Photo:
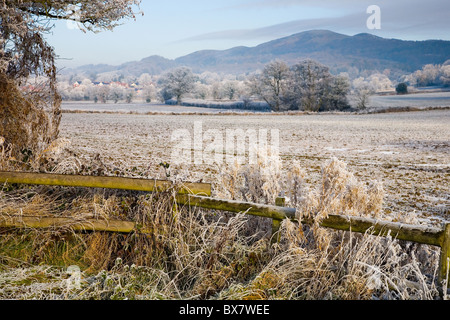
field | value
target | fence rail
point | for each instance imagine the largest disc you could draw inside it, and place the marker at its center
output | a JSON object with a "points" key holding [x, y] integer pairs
{"points": [[120, 183], [198, 195], [76, 224]]}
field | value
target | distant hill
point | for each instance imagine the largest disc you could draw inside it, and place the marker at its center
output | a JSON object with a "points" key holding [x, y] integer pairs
{"points": [[152, 65], [342, 53]]}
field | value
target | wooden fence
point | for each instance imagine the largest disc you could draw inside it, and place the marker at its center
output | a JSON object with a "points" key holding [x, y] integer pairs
{"points": [[199, 195], [120, 183]]}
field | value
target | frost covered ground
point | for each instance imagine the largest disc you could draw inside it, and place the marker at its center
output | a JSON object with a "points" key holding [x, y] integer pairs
{"points": [[138, 107], [409, 152], [418, 100]]}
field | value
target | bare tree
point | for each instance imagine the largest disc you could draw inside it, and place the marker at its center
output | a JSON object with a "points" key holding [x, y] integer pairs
{"points": [[30, 111], [148, 92], [116, 92], [307, 85], [201, 90], [337, 94], [177, 82], [103, 93], [311, 83], [230, 89], [270, 85], [216, 90], [362, 92]]}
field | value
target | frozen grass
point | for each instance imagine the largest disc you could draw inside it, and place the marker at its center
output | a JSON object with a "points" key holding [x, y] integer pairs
{"points": [[417, 100], [132, 107], [198, 254]]}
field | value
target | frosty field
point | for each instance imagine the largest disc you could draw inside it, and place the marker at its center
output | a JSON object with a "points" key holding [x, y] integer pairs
{"points": [[135, 107], [418, 100], [408, 152]]}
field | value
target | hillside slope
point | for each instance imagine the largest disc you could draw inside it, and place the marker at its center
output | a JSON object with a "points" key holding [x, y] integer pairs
{"points": [[342, 53]]}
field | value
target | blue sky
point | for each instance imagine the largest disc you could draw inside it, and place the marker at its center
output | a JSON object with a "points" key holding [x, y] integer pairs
{"points": [[173, 28]]}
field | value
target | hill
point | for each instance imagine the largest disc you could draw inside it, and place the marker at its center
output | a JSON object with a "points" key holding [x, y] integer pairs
{"points": [[342, 53]]}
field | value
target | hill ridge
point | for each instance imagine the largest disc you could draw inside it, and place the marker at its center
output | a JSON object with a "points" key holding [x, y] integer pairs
{"points": [[363, 52]]}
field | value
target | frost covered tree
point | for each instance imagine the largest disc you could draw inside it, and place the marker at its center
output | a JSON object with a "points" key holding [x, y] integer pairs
{"points": [[103, 93], [148, 92], [311, 87], [177, 82], [145, 79], [431, 75], [116, 92], [362, 92], [307, 85], [231, 89], [336, 98], [445, 74], [209, 78], [201, 90], [216, 90], [379, 82], [30, 110], [270, 85], [310, 82]]}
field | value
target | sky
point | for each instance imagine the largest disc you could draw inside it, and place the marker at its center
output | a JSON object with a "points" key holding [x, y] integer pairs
{"points": [[173, 28]]}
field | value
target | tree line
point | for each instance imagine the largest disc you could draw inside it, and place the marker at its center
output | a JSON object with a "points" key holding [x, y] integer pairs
{"points": [[307, 85], [430, 75]]}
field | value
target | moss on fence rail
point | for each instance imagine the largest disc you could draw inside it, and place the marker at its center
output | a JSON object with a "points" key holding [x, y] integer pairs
{"points": [[262, 210], [16, 221], [120, 183]]}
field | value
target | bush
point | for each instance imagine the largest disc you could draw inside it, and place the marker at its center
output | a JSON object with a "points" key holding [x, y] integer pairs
{"points": [[28, 122], [401, 88]]}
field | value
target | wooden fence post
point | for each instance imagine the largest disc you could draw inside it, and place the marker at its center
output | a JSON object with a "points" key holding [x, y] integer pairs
{"points": [[280, 202], [444, 260]]}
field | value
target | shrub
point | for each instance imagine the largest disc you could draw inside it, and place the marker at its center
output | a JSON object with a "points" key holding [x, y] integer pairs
{"points": [[401, 88]]}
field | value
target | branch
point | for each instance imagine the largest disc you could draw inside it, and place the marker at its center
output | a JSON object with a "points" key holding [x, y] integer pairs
{"points": [[58, 17]]}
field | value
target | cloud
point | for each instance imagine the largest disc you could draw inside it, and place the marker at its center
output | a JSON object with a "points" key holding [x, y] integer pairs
{"points": [[282, 29], [253, 4], [343, 4], [403, 18]]}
